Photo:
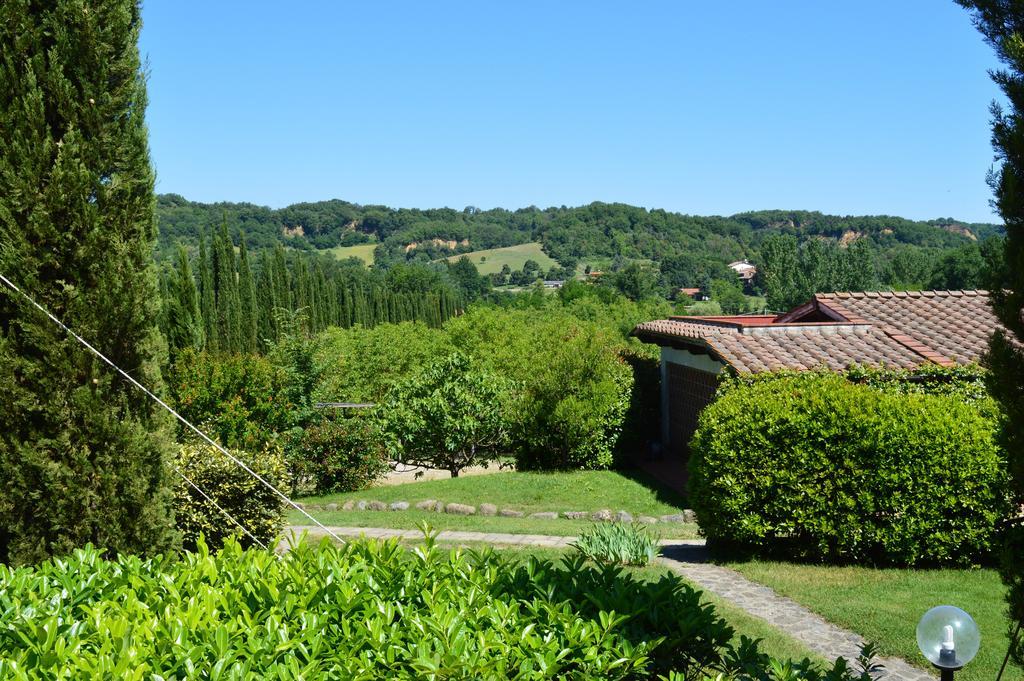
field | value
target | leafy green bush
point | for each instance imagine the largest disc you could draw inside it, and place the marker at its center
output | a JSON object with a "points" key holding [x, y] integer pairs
{"points": [[365, 610], [576, 387], [450, 416], [617, 543], [238, 400], [820, 468], [340, 455], [248, 501]]}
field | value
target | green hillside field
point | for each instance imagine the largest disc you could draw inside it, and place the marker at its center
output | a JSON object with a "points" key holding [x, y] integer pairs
{"points": [[490, 261], [362, 251]]}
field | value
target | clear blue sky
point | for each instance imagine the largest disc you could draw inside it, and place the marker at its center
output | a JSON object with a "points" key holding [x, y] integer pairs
{"points": [[864, 107]]}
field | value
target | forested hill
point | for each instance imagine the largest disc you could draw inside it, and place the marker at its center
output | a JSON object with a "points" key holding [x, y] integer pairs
{"points": [[569, 235]]}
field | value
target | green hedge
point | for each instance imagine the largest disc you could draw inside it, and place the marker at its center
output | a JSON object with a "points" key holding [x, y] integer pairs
{"points": [[817, 467], [235, 491], [365, 610]]}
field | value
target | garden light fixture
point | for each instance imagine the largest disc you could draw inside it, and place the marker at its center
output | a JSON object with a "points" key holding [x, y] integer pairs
{"points": [[949, 638]]}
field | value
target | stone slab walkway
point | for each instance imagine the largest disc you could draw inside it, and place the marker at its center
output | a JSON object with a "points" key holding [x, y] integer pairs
{"points": [[689, 559], [817, 633]]}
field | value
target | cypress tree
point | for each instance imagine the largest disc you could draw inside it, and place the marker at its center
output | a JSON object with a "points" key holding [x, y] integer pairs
{"points": [[1002, 24], [207, 300], [225, 284], [248, 319], [83, 458], [265, 299], [184, 323]]}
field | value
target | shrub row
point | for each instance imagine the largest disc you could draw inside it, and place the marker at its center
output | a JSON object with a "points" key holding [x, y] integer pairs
{"points": [[815, 466], [362, 611]]}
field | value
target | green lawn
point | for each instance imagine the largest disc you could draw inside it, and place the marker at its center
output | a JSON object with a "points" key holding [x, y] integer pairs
{"points": [[513, 256], [362, 251], [526, 492], [885, 605], [532, 492]]}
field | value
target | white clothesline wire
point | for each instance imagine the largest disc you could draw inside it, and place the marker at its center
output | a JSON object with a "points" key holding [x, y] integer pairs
{"points": [[176, 415]]}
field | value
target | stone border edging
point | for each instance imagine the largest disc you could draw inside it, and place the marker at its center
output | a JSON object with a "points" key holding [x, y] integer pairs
{"points": [[603, 515]]}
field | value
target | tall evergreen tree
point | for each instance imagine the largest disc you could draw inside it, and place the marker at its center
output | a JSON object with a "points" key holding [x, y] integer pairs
{"points": [[82, 457], [225, 283], [1002, 24], [248, 316], [207, 298], [184, 323]]}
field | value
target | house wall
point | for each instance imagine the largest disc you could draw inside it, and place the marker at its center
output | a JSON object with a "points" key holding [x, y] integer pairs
{"points": [[688, 383]]}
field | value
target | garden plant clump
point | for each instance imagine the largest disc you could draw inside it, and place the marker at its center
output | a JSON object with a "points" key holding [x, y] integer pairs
{"points": [[618, 544], [820, 468], [249, 502], [366, 610]]}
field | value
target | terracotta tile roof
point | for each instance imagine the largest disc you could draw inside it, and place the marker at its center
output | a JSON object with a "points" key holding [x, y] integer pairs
{"points": [[894, 329], [810, 348], [947, 327]]}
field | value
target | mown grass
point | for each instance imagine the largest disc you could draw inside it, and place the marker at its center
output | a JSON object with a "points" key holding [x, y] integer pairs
{"points": [[884, 605], [531, 492], [513, 256], [362, 251], [526, 492]]}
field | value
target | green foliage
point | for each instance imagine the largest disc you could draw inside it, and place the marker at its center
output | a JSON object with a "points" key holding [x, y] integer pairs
{"points": [[575, 385], [340, 455], [364, 610], [83, 457], [617, 544], [790, 273], [234, 490], [819, 468], [362, 364], [1002, 24], [451, 415], [239, 400], [728, 293]]}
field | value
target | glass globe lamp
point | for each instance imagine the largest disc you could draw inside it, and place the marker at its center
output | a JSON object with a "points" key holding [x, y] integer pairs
{"points": [[948, 638]]}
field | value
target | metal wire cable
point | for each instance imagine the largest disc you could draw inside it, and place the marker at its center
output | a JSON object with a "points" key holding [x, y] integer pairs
{"points": [[218, 507], [176, 415]]}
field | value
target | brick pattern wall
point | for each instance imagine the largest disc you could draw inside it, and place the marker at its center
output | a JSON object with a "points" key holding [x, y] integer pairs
{"points": [[689, 391]]}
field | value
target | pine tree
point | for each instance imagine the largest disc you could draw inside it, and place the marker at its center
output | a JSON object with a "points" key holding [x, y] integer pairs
{"points": [[225, 283], [83, 458], [1002, 24], [184, 323], [248, 318]]}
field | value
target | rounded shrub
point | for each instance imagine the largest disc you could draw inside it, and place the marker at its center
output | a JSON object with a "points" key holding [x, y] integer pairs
{"points": [[338, 456], [237, 492], [819, 468]]}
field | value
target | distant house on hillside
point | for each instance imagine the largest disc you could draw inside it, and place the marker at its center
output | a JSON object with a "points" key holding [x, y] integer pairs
{"points": [[694, 293], [834, 330], [744, 269], [554, 283]]}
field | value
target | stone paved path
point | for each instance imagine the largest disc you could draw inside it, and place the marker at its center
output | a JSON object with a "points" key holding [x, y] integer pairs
{"points": [[689, 559], [818, 634]]}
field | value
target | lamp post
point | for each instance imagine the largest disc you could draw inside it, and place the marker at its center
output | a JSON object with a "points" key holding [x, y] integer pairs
{"points": [[948, 638]]}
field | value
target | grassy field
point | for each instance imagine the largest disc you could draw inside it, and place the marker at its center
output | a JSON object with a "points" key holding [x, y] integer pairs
{"points": [[885, 605], [526, 492], [362, 251], [514, 256]]}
